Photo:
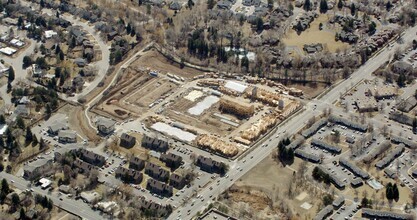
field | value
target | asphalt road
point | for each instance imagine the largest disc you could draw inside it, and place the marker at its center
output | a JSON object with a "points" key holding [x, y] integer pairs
{"points": [[76, 207], [239, 168], [17, 64]]}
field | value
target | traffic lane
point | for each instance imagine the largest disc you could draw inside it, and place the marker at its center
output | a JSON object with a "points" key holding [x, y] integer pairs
{"points": [[258, 155], [67, 204]]}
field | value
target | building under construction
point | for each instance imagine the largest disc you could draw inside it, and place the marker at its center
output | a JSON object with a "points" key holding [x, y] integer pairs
{"points": [[239, 109], [215, 144]]}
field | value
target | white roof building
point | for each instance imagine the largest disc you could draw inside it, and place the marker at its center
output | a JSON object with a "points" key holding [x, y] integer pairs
{"points": [[235, 86], [50, 33], [45, 183], [8, 51]]}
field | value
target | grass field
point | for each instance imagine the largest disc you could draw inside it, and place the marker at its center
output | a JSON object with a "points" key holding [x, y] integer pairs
{"points": [[314, 35]]}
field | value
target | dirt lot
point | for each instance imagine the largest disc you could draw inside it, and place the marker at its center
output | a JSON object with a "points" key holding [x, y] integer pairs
{"points": [[274, 180], [310, 91], [206, 121], [155, 60], [134, 92], [314, 35], [78, 123]]}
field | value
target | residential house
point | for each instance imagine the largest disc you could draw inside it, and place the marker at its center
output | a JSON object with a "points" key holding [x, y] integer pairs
{"points": [[129, 175], [210, 165], [37, 169], [160, 188], [90, 197], [105, 125], [175, 6], [57, 126], [136, 163], [155, 143], [177, 181], [22, 110], [127, 141], [171, 160], [67, 136], [78, 83], [24, 100], [156, 172], [82, 166], [36, 71], [153, 207], [91, 157], [81, 62]]}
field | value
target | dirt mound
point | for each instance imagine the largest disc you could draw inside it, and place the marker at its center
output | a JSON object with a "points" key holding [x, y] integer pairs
{"points": [[120, 112], [257, 199]]}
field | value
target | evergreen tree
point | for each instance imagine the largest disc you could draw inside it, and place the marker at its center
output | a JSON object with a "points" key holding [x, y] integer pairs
{"points": [[372, 28], [61, 55], [190, 4], [271, 4], [20, 22], [244, 63], [401, 80], [128, 28], [9, 138], [29, 135], [388, 6], [415, 125], [57, 49], [1, 142], [389, 192], [41, 144], [340, 4], [395, 192], [19, 122], [323, 6], [210, 4], [35, 141], [11, 74], [5, 186], [57, 72], [27, 61], [9, 87], [48, 109], [352, 9], [2, 120], [259, 25], [22, 215], [307, 5]]}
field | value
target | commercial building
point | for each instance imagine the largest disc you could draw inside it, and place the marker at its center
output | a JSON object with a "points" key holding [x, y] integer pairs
{"points": [[129, 175], [384, 162], [105, 126], [155, 143], [326, 146], [156, 172], [127, 141], [171, 160], [324, 213], [136, 163], [67, 136], [36, 169], [381, 215], [159, 188], [353, 168]]}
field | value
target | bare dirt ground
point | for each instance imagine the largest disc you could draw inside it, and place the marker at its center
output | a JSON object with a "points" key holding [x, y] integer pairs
{"points": [[310, 91], [134, 93], [314, 35], [155, 60], [78, 123], [283, 190], [206, 121]]}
